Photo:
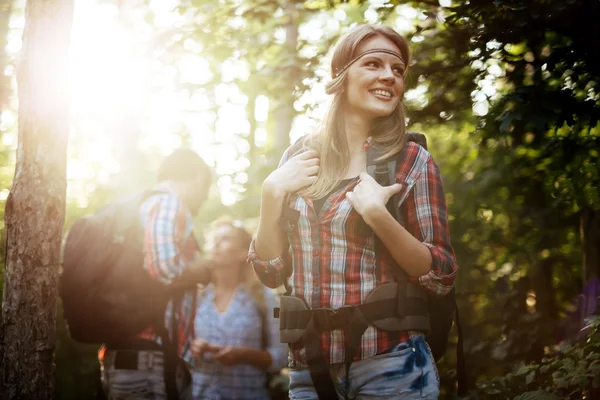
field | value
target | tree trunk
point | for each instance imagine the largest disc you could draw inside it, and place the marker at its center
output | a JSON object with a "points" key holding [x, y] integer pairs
{"points": [[285, 109], [35, 208], [5, 11]]}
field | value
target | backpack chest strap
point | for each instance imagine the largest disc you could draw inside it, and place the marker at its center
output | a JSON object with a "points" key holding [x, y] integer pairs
{"points": [[327, 319], [390, 307], [299, 322]]}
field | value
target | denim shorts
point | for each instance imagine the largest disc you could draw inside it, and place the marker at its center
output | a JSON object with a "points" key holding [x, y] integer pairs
{"points": [[408, 371]]}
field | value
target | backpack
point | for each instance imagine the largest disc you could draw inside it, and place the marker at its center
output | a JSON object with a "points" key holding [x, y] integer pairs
{"points": [[107, 295]]}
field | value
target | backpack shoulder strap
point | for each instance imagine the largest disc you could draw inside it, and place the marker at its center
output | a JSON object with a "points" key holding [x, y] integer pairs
{"points": [[417, 138], [384, 171]]}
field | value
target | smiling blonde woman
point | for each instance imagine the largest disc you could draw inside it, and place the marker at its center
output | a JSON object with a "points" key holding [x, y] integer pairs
{"points": [[347, 338]]}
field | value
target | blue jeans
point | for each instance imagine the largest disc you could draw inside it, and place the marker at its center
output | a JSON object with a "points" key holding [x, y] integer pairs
{"points": [[408, 371]]}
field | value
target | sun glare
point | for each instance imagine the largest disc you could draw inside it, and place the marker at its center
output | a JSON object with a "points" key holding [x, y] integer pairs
{"points": [[117, 89], [124, 99]]}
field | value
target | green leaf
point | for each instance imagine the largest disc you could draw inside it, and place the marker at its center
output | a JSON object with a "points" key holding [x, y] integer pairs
{"points": [[530, 378]]}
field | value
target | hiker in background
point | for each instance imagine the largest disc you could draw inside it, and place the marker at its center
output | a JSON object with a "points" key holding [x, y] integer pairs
{"points": [[360, 272], [139, 369], [237, 338]]}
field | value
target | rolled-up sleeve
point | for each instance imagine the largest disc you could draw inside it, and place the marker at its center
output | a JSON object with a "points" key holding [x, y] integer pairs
{"points": [[277, 350], [272, 273], [426, 218]]}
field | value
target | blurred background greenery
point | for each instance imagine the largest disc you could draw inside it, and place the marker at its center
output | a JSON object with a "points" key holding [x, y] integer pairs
{"points": [[506, 91]]}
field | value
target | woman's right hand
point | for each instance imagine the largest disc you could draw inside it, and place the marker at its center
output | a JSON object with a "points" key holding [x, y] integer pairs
{"points": [[200, 347], [298, 172]]}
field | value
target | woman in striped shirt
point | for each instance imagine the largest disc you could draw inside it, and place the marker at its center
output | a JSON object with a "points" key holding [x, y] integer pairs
{"points": [[335, 264]]}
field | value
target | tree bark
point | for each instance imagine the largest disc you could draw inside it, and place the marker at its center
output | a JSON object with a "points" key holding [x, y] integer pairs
{"points": [[285, 110], [35, 208]]}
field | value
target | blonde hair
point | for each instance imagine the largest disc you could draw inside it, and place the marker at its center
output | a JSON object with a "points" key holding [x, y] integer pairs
{"points": [[248, 278], [330, 141]]}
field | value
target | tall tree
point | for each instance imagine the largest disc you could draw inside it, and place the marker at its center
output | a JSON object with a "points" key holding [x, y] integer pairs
{"points": [[35, 208]]}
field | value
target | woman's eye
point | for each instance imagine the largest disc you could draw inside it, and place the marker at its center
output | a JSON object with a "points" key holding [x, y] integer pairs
{"points": [[371, 64], [399, 71]]}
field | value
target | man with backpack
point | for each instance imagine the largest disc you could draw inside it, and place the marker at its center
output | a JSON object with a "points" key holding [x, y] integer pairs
{"points": [[129, 280]]}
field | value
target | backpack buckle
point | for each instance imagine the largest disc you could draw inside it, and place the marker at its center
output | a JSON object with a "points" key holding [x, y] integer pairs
{"points": [[329, 319], [382, 172]]}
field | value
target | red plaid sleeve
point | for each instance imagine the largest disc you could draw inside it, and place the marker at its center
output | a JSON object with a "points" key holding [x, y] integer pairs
{"points": [[272, 273], [426, 219]]}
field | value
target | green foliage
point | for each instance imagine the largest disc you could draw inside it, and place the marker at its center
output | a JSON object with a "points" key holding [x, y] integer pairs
{"points": [[571, 371], [518, 174]]}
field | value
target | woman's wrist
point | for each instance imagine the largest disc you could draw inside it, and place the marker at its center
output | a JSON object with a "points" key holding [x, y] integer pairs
{"points": [[271, 191], [255, 357], [374, 215]]}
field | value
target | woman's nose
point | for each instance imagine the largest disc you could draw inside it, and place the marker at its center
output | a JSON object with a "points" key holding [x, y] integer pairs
{"points": [[387, 74]]}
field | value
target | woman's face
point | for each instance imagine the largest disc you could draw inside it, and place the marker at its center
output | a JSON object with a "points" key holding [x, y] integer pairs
{"points": [[225, 246], [375, 82]]}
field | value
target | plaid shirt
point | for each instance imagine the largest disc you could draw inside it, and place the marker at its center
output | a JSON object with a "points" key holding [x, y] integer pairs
{"points": [[168, 246], [334, 265], [240, 325]]}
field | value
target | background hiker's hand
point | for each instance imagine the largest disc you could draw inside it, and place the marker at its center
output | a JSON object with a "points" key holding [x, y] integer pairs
{"points": [[200, 347], [298, 172], [229, 355], [369, 196]]}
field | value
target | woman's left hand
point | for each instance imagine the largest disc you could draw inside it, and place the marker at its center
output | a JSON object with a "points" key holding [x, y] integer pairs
{"points": [[368, 196], [229, 355]]}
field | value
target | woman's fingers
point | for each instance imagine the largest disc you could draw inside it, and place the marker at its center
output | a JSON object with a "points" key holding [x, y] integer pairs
{"points": [[306, 155], [314, 170], [350, 197], [310, 162]]}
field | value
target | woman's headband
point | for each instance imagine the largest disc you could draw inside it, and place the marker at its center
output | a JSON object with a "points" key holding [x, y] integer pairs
{"points": [[364, 53]]}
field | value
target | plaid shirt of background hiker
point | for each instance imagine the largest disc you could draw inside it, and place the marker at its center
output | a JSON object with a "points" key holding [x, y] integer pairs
{"points": [[334, 265], [168, 247]]}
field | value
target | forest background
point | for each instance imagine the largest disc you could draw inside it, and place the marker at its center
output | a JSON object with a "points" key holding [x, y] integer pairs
{"points": [[507, 92]]}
